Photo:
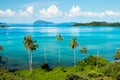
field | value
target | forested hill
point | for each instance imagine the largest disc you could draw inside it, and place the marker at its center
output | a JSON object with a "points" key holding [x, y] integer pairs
{"points": [[97, 24]]}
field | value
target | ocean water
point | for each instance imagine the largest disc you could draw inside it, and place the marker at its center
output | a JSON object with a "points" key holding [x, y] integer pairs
{"points": [[103, 39]]}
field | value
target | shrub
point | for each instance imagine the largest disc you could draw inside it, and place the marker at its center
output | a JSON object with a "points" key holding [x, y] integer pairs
{"points": [[45, 67], [113, 70], [117, 55], [96, 60], [63, 69], [75, 77], [94, 74], [118, 76], [6, 75]]}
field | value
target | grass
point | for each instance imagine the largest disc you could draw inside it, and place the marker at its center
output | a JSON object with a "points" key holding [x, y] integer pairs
{"points": [[86, 70]]}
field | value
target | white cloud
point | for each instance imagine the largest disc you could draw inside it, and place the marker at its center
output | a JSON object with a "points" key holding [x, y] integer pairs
{"points": [[30, 9], [7, 12], [76, 12], [52, 11]]}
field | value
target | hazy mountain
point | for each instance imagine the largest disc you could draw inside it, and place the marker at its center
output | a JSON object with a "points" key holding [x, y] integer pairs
{"points": [[41, 22], [46, 23]]}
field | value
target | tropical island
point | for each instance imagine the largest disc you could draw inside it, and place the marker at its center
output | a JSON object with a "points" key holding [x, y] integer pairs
{"points": [[3, 25], [95, 23]]}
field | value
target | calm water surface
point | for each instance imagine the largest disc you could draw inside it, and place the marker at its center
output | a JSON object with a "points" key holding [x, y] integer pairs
{"points": [[104, 39]]}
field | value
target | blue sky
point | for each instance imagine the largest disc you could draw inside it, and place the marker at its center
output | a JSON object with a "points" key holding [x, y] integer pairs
{"points": [[28, 11]]}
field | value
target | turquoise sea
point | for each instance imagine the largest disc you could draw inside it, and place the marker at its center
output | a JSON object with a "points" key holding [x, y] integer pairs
{"points": [[104, 40]]}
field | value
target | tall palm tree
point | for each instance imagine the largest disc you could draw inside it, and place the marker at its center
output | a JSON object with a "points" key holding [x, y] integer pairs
{"points": [[117, 55], [1, 50], [97, 57], [74, 44], [31, 46], [59, 39], [83, 50]]}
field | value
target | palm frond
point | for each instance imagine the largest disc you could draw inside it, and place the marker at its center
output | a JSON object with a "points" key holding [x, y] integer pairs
{"points": [[73, 43]]}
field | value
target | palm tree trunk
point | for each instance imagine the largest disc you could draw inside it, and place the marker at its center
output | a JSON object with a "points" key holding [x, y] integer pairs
{"points": [[59, 54], [74, 58], [30, 61], [0, 56], [97, 60], [45, 54], [83, 56]]}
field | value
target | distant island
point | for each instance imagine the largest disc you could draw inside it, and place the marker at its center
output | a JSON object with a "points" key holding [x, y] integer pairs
{"points": [[2, 25], [97, 24], [47, 23], [41, 22]]}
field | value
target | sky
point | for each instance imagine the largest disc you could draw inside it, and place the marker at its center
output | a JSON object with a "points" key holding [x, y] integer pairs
{"points": [[58, 11]]}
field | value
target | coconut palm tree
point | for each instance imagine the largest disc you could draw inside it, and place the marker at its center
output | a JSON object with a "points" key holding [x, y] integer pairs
{"points": [[59, 39], [1, 50], [31, 46], [117, 55], [83, 50], [97, 57], [74, 44]]}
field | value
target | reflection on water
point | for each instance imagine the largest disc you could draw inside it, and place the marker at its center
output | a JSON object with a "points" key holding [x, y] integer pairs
{"points": [[104, 39]]}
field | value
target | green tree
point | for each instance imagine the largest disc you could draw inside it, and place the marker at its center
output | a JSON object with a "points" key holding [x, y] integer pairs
{"points": [[74, 44], [31, 46], [1, 50], [59, 39], [83, 50], [117, 55]]}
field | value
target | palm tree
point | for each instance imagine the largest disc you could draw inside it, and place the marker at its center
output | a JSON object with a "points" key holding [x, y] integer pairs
{"points": [[74, 44], [83, 50], [97, 57], [117, 55], [59, 39], [1, 50], [31, 46]]}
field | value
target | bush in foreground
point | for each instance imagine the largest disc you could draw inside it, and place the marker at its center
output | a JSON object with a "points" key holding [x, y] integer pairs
{"points": [[113, 70], [75, 77], [45, 67]]}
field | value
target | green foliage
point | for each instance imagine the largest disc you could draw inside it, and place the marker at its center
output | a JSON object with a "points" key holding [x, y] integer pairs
{"points": [[73, 43], [83, 50], [29, 43], [45, 67], [96, 24], [118, 76], [112, 70], [95, 60], [5, 75], [59, 37], [75, 77], [83, 71], [117, 55], [94, 74]]}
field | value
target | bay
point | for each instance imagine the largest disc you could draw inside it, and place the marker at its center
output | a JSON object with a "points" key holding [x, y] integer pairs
{"points": [[98, 38]]}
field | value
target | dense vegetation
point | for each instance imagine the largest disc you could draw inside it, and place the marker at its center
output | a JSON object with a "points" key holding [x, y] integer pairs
{"points": [[96, 24], [92, 68]]}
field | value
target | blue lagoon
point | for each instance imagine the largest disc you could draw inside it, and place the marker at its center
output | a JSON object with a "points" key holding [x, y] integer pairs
{"points": [[102, 39]]}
